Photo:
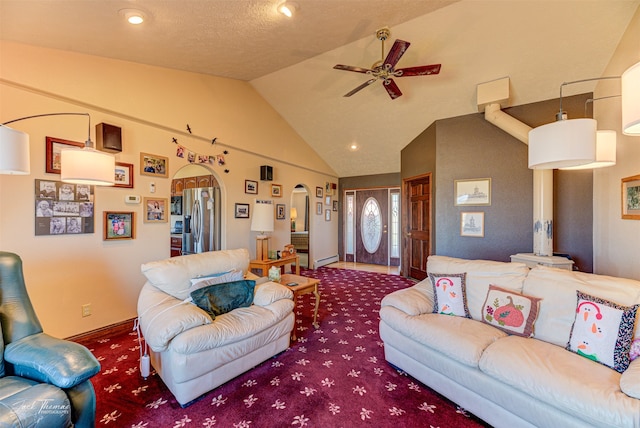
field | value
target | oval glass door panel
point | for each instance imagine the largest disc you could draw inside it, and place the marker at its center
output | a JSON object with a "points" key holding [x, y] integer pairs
{"points": [[371, 225]]}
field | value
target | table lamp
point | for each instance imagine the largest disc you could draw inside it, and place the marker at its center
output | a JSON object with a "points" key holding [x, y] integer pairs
{"points": [[294, 216], [262, 222]]}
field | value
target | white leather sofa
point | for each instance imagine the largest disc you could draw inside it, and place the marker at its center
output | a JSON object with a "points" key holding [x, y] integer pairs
{"points": [[194, 354], [509, 380]]}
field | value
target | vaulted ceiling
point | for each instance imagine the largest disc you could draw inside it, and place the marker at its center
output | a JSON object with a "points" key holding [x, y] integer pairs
{"points": [[537, 44]]}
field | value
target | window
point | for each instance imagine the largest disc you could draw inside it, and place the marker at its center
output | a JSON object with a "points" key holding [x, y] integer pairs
{"points": [[395, 225], [371, 225]]}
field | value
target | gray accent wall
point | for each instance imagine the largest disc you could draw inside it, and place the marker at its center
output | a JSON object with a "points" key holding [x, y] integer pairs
{"points": [[469, 147]]}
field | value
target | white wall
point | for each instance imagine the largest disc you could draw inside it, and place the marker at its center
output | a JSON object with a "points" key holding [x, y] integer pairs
{"points": [[616, 241], [151, 105]]}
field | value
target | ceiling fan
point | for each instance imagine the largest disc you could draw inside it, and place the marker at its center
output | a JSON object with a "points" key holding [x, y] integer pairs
{"points": [[385, 68]]}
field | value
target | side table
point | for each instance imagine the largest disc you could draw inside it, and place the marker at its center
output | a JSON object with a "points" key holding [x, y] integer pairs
{"points": [[303, 285], [264, 265]]}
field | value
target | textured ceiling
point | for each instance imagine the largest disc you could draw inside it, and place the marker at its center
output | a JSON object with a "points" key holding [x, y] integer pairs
{"points": [[538, 44]]}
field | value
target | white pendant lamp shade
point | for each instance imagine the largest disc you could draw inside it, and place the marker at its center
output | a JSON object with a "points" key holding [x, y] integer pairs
{"points": [[562, 144], [87, 166], [630, 86], [605, 151], [14, 151]]}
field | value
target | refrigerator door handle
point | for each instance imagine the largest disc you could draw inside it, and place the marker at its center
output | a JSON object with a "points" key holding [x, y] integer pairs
{"points": [[197, 222]]}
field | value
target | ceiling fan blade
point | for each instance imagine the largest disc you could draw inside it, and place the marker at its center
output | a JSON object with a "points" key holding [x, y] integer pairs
{"points": [[422, 70], [397, 50], [392, 88], [364, 85], [351, 68]]}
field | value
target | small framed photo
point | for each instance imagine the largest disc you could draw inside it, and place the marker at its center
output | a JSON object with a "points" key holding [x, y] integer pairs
{"points": [[280, 212], [319, 208], [154, 165], [335, 205], [251, 187], [319, 192], [54, 149], [327, 200], [276, 190], [119, 225], [124, 175], [473, 192], [242, 211], [327, 215], [631, 197], [472, 224], [156, 210]]}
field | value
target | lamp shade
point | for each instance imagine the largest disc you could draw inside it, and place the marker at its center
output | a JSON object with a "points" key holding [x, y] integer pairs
{"points": [[262, 218], [294, 213], [562, 144], [14, 151], [630, 87], [87, 166], [605, 151]]}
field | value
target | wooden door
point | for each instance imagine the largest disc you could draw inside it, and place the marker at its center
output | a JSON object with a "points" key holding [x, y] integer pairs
{"points": [[417, 224], [371, 220]]}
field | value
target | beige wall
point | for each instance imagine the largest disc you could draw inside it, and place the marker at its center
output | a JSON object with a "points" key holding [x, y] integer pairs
{"points": [[151, 105], [616, 242]]}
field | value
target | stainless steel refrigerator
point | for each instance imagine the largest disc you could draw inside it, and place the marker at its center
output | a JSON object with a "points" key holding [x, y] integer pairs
{"points": [[201, 228]]}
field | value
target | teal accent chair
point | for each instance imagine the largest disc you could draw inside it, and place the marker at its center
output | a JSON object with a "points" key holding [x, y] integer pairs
{"points": [[44, 381]]}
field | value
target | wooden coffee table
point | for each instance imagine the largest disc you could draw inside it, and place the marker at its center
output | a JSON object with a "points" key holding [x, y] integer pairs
{"points": [[303, 285]]}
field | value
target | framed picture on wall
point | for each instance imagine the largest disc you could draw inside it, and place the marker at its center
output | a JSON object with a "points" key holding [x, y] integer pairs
{"points": [[319, 208], [276, 190], [124, 175], [280, 212], [154, 165], [156, 210], [472, 224], [318, 192], [473, 192], [251, 187], [327, 215], [631, 197], [119, 225], [54, 148], [241, 210]]}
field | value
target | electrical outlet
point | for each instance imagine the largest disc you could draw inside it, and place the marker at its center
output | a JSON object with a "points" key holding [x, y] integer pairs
{"points": [[86, 310]]}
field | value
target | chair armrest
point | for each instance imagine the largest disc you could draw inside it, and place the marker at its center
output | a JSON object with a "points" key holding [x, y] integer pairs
{"points": [[414, 300], [630, 379], [55, 361], [268, 292]]}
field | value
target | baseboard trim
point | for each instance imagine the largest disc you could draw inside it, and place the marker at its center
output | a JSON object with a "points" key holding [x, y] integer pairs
{"points": [[109, 330]]}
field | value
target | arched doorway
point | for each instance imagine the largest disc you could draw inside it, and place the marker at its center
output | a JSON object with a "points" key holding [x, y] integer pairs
{"points": [[299, 215], [196, 211]]}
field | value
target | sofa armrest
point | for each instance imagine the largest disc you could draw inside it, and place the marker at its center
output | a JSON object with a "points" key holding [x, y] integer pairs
{"points": [[270, 292], [630, 379], [162, 317], [50, 360], [413, 300]]}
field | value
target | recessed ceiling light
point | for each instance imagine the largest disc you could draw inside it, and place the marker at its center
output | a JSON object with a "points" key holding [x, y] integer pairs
{"points": [[288, 8], [132, 16], [353, 147]]}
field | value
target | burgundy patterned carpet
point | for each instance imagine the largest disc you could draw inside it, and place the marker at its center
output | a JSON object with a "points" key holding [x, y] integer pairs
{"points": [[335, 376]]}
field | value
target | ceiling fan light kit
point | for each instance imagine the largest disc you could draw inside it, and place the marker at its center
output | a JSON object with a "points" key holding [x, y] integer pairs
{"points": [[288, 8], [385, 70]]}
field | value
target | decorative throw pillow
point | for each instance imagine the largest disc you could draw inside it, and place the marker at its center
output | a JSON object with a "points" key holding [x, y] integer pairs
{"points": [[449, 294], [602, 331], [511, 312], [216, 278], [219, 299], [634, 352]]}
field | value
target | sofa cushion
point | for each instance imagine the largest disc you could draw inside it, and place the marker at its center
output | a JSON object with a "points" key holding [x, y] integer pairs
{"points": [[557, 288], [458, 338], [563, 380], [511, 312], [480, 274], [173, 275], [630, 380], [602, 331], [216, 278], [219, 299], [449, 294]]}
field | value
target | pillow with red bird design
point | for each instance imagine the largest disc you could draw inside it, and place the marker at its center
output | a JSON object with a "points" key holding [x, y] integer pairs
{"points": [[449, 294], [602, 331], [511, 312]]}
